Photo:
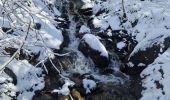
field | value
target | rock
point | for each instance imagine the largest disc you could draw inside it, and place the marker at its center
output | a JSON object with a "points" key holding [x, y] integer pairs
{"points": [[11, 74], [91, 47], [110, 91], [146, 52], [76, 95], [66, 40], [37, 26], [64, 98], [52, 82], [63, 24], [83, 30]]}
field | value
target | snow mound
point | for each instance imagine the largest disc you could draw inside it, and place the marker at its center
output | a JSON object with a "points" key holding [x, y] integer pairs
{"points": [[89, 85], [84, 29], [121, 45]]}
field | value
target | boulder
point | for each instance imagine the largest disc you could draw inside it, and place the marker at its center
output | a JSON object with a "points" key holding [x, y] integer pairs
{"points": [[91, 47]]}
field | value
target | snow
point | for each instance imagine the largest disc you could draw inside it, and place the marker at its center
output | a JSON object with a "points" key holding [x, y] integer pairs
{"points": [[88, 4], [109, 33], [84, 29], [158, 71], [114, 22], [130, 64], [89, 85], [141, 64], [43, 41], [95, 44], [121, 45], [28, 77]]}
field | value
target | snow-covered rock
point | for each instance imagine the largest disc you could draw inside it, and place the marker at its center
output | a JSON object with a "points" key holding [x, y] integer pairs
{"points": [[92, 47], [95, 44], [84, 29], [89, 85]]}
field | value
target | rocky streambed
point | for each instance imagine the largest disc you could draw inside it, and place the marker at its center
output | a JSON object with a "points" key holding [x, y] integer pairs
{"points": [[86, 61], [105, 47]]}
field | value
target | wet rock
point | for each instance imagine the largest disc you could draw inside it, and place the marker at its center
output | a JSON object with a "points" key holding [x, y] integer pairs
{"points": [[37, 26], [63, 24], [140, 58], [76, 95], [11, 74], [99, 60], [66, 39]]}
